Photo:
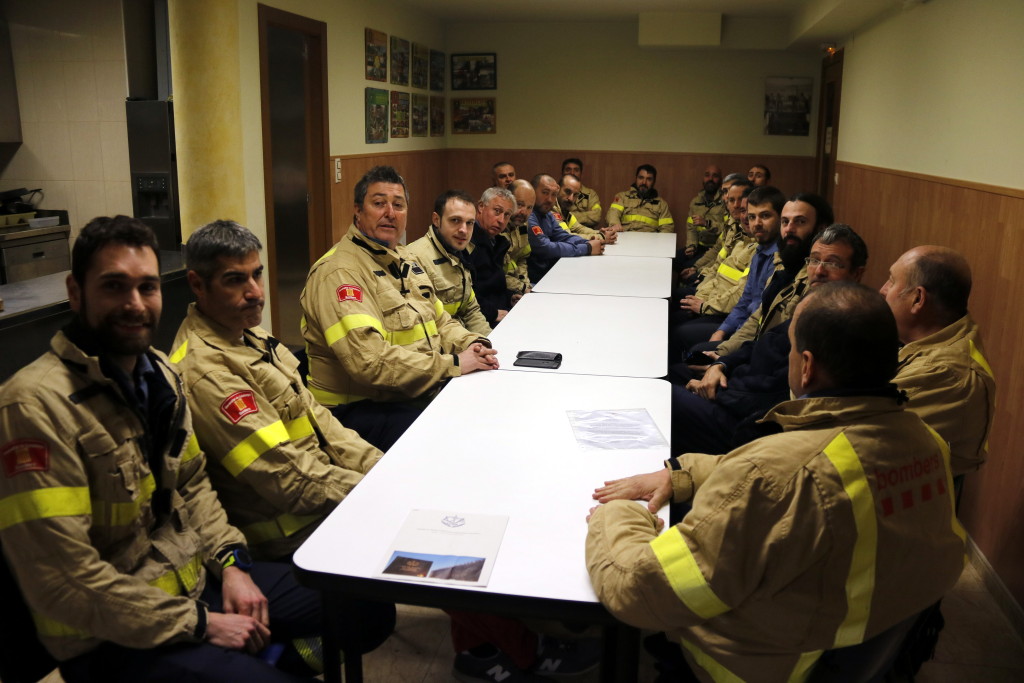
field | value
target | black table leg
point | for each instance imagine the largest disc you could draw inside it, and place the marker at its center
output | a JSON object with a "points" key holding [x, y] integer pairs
{"points": [[332, 640], [620, 654]]}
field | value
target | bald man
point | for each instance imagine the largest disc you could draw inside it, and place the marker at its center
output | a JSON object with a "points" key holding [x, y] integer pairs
{"points": [[706, 218], [517, 277], [568, 193], [548, 241], [943, 367]]}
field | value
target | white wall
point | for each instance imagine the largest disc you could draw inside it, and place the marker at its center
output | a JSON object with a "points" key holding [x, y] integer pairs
{"points": [[69, 65], [938, 89], [589, 86]]}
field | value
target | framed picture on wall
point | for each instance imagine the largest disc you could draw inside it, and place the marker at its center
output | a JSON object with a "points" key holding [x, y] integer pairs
{"points": [[376, 115], [473, 115], [399, 61], [399, 114], [420, 65], [437, 71], [475, 71], [787, 106], [420, 116], [436, 116], [376, 55]]}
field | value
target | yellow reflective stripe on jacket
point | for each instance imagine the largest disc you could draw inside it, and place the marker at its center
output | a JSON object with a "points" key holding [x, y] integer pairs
{"points": [[685, 576], [262, 440], [56, 629], [510, 267], [120, 514], [348, 323], [631, 217], [282, 527], [620, 207], [596, 206], [182, 580], [406, 337], [437, 309], [723, 252], [733, 273], [563, 226], [191, 449], [860, 582], [330, 252], [55, 501], [666, 221], [979, 358], [804, 666], [950, 491], [718, 673], [452, 309], [329, 398], [179, 353]]}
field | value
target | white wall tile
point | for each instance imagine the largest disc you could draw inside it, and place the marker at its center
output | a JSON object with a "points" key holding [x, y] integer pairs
{"points": [[119, 198], [114, 143], [86, 150], [107, 30], [49, 92], [53, 150], [80, 91], [90, 200], [111, 89]]}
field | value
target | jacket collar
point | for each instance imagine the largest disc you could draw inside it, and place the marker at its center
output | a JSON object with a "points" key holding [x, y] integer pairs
{"points": [[814, 411]]}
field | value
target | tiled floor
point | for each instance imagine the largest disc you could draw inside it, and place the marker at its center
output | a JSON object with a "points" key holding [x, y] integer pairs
{"points": [[978, 645]]}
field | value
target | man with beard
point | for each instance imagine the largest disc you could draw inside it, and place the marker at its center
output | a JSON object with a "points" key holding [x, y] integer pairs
{"points": [[587, 205], [442, 253], [759, 175], [567, 194], [764, 204], [503, 174], [118, 544], [516, 262], [707, 215], [731, 230], [639, 207], [721, 411], [803, 217], [486, 253], [548, 241]]}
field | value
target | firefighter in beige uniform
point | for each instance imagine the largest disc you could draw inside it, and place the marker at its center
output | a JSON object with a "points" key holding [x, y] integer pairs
{"points": [[817, 538], [639, 207], [720, 290], [440, 252], [107, 518], [586, 205], [943, 367], [376, 334], [707, 211], [517, 277]]}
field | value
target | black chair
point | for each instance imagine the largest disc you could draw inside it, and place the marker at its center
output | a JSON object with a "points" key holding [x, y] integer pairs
{"points": [[872, 660], [23, 659]]}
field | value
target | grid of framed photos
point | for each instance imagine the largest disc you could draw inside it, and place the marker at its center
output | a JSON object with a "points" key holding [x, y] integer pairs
{"points": [[400, 114]]}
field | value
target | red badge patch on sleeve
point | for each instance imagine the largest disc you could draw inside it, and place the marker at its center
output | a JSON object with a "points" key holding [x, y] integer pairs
{"points": [[25, 455], [350, 293], [238, 405], [537, 230]]}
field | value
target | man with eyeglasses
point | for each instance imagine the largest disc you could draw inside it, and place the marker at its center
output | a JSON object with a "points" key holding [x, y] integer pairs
{"points": [[720, 412]]}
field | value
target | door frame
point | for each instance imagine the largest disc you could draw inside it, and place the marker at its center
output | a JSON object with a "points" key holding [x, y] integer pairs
{"points": [[825, 171], [318, 203]]}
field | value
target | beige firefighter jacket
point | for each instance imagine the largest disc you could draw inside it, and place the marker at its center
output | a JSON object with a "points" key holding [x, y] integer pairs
{"points": [[782, 308], [952, 387], [374, 328], [571, 224], [712, 258], [587, 207], [283, 462], [453, 283], [517, 277], [817, 538], [720, 291], [103, 548], [713, 212], [643, 215]]}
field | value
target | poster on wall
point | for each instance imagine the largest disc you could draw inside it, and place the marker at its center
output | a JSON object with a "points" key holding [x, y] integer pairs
{"points": [[436, 116], [399, 114], [787, 106], [420, 116], [376, 55], [376, 115], [420, 65], [475, 71], [436, 70], [399, 61], [473, 115]]}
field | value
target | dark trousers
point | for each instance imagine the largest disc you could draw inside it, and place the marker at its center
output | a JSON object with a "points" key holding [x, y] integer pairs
{"points": [[295, 612], [700, 425], [686, 329], [381, 423]]}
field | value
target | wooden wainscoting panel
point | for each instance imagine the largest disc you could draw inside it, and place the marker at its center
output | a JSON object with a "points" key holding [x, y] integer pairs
{"points": [[895, 211]]}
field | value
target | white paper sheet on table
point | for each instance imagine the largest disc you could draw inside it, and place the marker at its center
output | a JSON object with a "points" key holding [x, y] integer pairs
{"points": [[439, 546], [629, 428]]}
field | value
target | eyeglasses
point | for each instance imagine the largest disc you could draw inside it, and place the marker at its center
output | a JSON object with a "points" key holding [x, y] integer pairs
{"points": [[832, 265]]}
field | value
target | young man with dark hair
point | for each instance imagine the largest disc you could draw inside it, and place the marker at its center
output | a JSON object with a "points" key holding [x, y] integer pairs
{"points": [[119, 545]]}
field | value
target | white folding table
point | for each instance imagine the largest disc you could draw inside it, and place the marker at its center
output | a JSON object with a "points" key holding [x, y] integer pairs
{"points": [[635, 276], [651, 244], [496, 443], [596, 335]]}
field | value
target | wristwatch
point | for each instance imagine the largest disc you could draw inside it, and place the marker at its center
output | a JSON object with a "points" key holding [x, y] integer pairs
{"points": [[239, 557]]}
